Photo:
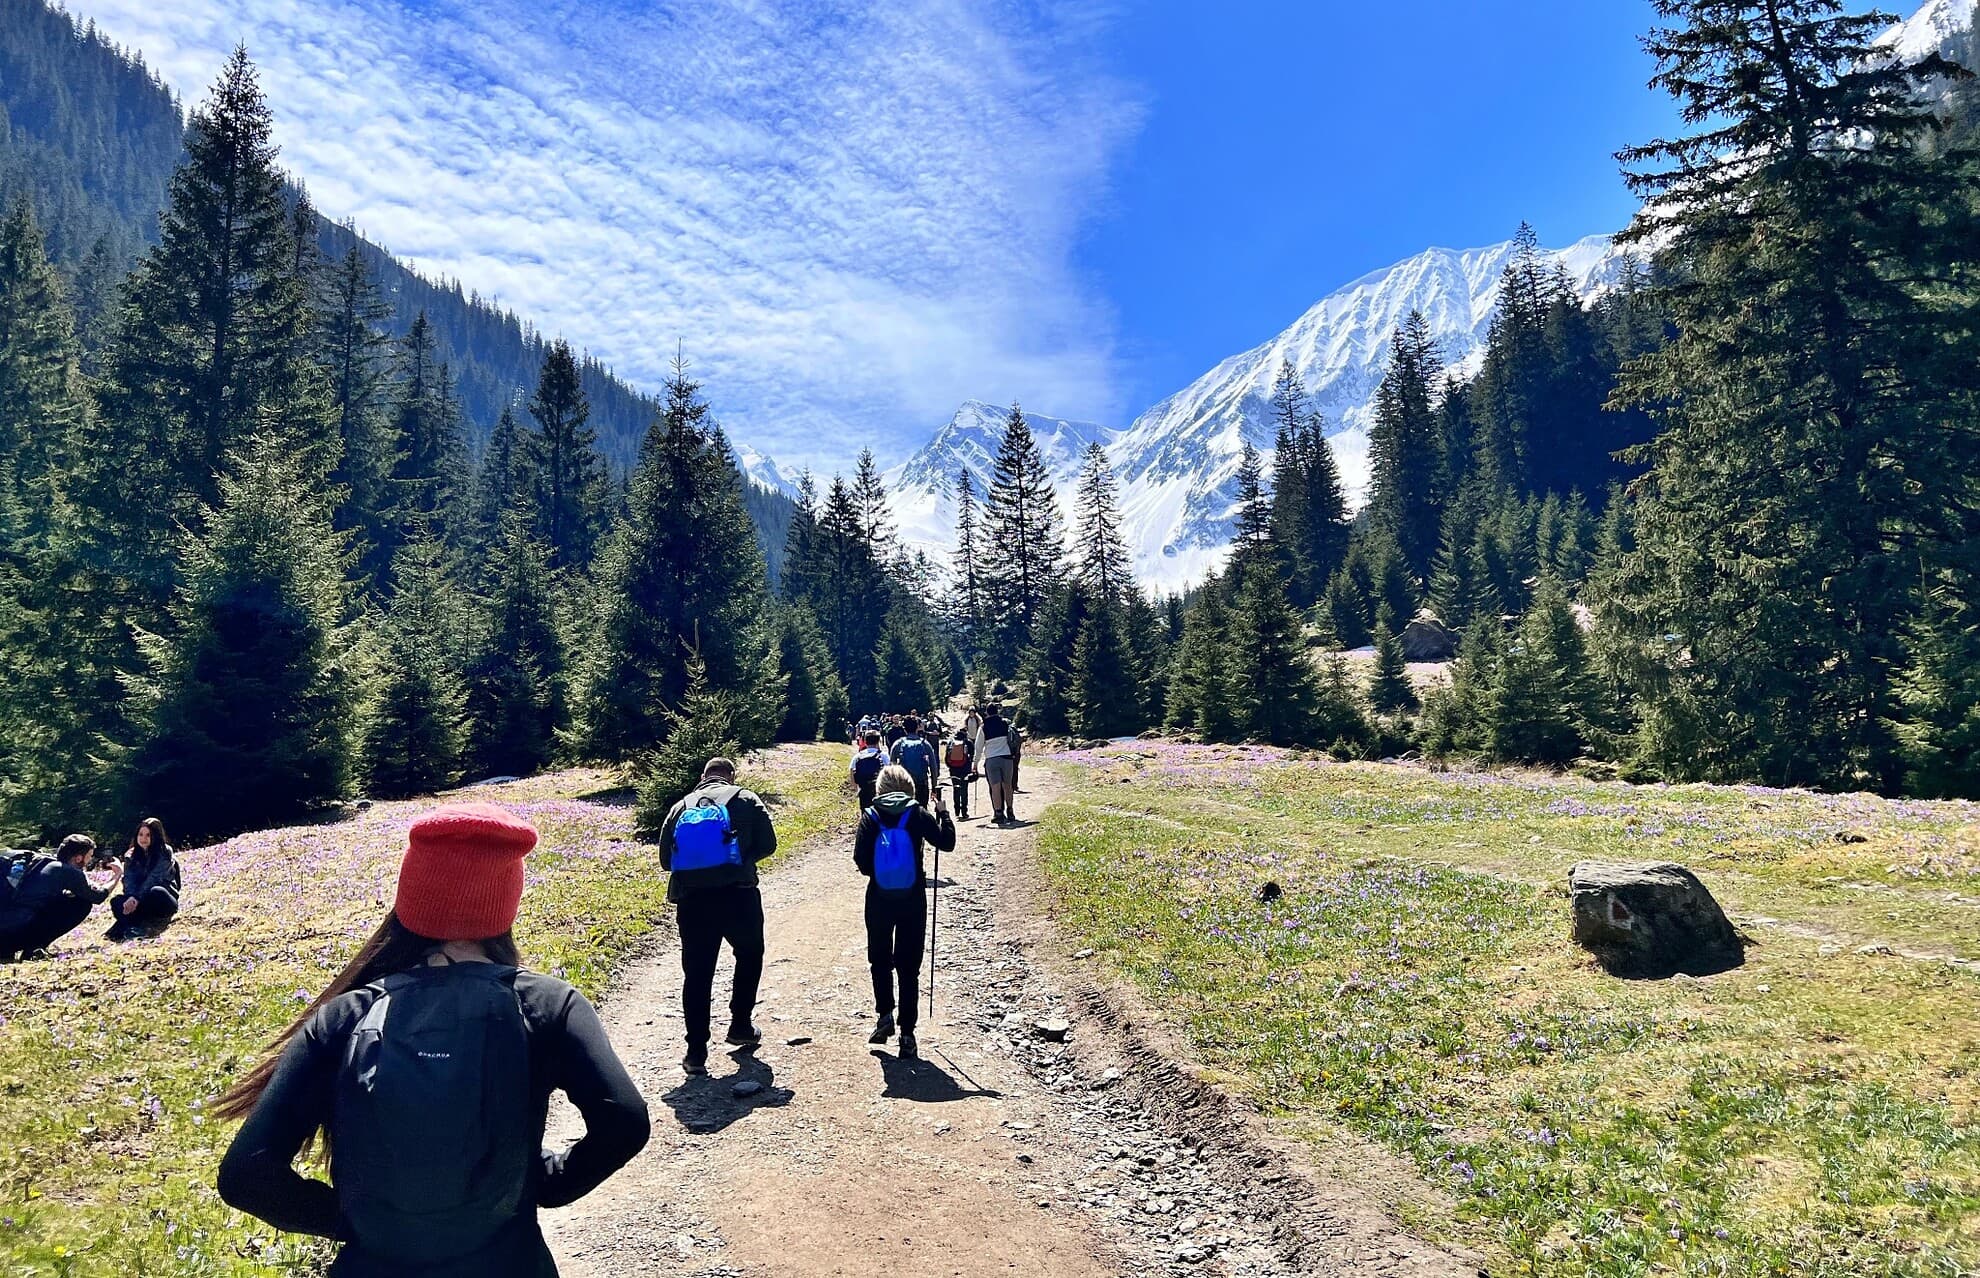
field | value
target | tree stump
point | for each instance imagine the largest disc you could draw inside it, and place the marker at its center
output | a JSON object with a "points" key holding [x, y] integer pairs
{"points": [[1651, 920]]}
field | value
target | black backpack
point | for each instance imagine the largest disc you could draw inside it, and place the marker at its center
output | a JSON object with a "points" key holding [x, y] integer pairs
{"points": [[432, 1136], [15, 867]]}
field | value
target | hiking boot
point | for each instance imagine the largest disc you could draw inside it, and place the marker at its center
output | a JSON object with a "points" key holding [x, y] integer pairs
{"points": [[744, 1035], [910, 1049], [695, 1063], [883, 1029]]}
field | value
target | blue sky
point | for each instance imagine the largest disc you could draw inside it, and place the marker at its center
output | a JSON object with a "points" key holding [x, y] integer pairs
{"points": [[858, 214]]}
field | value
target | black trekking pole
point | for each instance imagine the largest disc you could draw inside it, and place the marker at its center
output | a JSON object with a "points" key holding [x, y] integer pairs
{"points": [[934, 920]]}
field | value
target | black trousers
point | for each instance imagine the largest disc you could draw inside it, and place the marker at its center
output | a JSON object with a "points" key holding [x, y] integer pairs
{"points": [[56, 920], [706, 919], [154, 907], [896, 932]]}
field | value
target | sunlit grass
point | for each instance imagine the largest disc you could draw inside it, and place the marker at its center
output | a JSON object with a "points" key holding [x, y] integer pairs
{"points": [[108, 1054], [1810, 1113]]}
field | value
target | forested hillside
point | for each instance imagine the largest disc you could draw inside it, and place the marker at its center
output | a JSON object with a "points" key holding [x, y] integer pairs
{"points": [[93, 136]]}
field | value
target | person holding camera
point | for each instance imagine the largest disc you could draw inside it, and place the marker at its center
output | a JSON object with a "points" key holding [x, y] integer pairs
{"points": [[52, 898]]}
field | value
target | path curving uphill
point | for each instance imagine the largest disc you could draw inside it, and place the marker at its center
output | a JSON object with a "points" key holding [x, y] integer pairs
{"points": [[1043, 1132]]}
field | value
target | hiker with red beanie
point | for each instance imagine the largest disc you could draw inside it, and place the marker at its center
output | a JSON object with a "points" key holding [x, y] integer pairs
{"points": [[426, 1067]]}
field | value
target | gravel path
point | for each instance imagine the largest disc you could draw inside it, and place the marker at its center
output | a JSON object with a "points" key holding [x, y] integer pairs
{"points": [[1048, 1129]]}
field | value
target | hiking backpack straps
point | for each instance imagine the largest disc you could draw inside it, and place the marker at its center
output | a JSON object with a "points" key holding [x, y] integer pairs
{"points": [[704, 836], [896, 868], [432, 1133], [958, 756], [917, 758]]}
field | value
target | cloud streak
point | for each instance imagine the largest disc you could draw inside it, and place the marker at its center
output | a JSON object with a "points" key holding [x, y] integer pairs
{"points": [[854, 215]]}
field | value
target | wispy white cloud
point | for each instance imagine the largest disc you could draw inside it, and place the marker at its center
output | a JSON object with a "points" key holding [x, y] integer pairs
{"points": [[855, 215]]}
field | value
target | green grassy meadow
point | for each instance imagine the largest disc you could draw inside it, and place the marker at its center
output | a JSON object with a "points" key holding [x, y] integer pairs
{"points": [[109, 1053], [1811, 1113]]}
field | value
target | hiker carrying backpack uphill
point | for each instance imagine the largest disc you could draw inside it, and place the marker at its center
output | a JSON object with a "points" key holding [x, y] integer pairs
{"points": [[887, 850], [429, 1064], [959, 757], [917, 756], [866, 765], [709, 845]]}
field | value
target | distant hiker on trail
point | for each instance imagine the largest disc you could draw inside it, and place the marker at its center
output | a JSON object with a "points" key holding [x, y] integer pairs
{"points": [[996, 752], [428, 1065], [709, 845], [895, 731], [917, 756], [866, 765], [50, 898], [150, 895], [959, 757], [888, 851]]}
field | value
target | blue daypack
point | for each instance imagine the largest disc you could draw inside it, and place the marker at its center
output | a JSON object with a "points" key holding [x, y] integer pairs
{"points": [[704, 837], [896, 868], [918, 757]]}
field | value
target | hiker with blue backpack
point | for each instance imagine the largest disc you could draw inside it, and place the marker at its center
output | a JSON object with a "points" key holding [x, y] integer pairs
{"points": [[914, 753], [423, 1073], [709, 846], [888, 850]]}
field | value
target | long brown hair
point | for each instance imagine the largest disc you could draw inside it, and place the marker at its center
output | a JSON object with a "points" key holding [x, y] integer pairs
{"points": [[394, 947], [160, 845]]}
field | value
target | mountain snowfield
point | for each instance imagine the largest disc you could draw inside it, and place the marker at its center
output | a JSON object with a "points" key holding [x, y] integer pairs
{"points": [[1177, 462]]}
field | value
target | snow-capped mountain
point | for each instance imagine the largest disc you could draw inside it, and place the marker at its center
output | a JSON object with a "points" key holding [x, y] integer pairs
{"points": [[922, 488], [765, 472], [1177, 462]]}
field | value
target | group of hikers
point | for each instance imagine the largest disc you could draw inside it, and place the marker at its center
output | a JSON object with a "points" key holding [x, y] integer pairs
{"points": [[46, 896], [984, 745], [427, 1064]]}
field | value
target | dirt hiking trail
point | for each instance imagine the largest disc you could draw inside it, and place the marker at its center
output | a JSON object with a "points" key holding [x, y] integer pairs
{"points": [[1010, 1148]]}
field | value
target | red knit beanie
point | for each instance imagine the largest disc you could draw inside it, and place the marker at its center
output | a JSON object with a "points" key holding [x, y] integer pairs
{"points": [[462, 876]]}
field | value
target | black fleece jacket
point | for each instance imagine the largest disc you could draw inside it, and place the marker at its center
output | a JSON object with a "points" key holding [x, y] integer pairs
{"points": [[568, 1052]]}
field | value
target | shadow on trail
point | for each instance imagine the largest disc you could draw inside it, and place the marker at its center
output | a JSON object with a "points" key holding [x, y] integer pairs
{"points": [[924, 1081], [709, 1104]]}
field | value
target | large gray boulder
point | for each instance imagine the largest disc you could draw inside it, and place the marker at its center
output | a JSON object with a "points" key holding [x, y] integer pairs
{"points": [[1426, 638], [1650, 920]]}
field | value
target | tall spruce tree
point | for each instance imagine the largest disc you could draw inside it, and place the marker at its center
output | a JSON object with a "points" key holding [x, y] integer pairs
{"points": [[1100, 553], [1251, 537], [814, 699], [1201, 677], [846, 593], [247, 700], [1048, 665], [1105, 690], [1291, 518], [518, 673], [1405, 448], [1021, 559], [967, 573], [682, 576], [1806, 481], [431, 461], [568, 474], [357, 358], [801, 542], [1274, 686], [870, 491], [414, 722]]}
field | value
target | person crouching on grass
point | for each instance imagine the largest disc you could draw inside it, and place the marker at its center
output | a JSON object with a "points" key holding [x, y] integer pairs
{"points": [[887, 849], [426, 1068]]}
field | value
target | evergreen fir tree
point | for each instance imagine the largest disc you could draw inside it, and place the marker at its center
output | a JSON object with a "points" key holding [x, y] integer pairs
{"points": [[503, 480], [431, 459], [902, 679], [1048, 666], [1804, 483], [1251, 537], [1939, 700], [1275, 692], [1405, 448], [971, 612], [1106, 700], [1101, 557], [247, 701], [1150, 647], [413, 727], [518, 676], [356, 354], [1292, 520], [682, 575], [568, 474], [703, 726], [1455, 716], [1389, 688], [1023, 552], [1346, 606], [1201, 677], [844, 592], [876, 516], [814, 699]]}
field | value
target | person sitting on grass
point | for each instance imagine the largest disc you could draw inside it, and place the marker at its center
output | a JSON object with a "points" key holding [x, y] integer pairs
{"points": [[887, 849], [150, 895], [426, 1067], [55, 895]]}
